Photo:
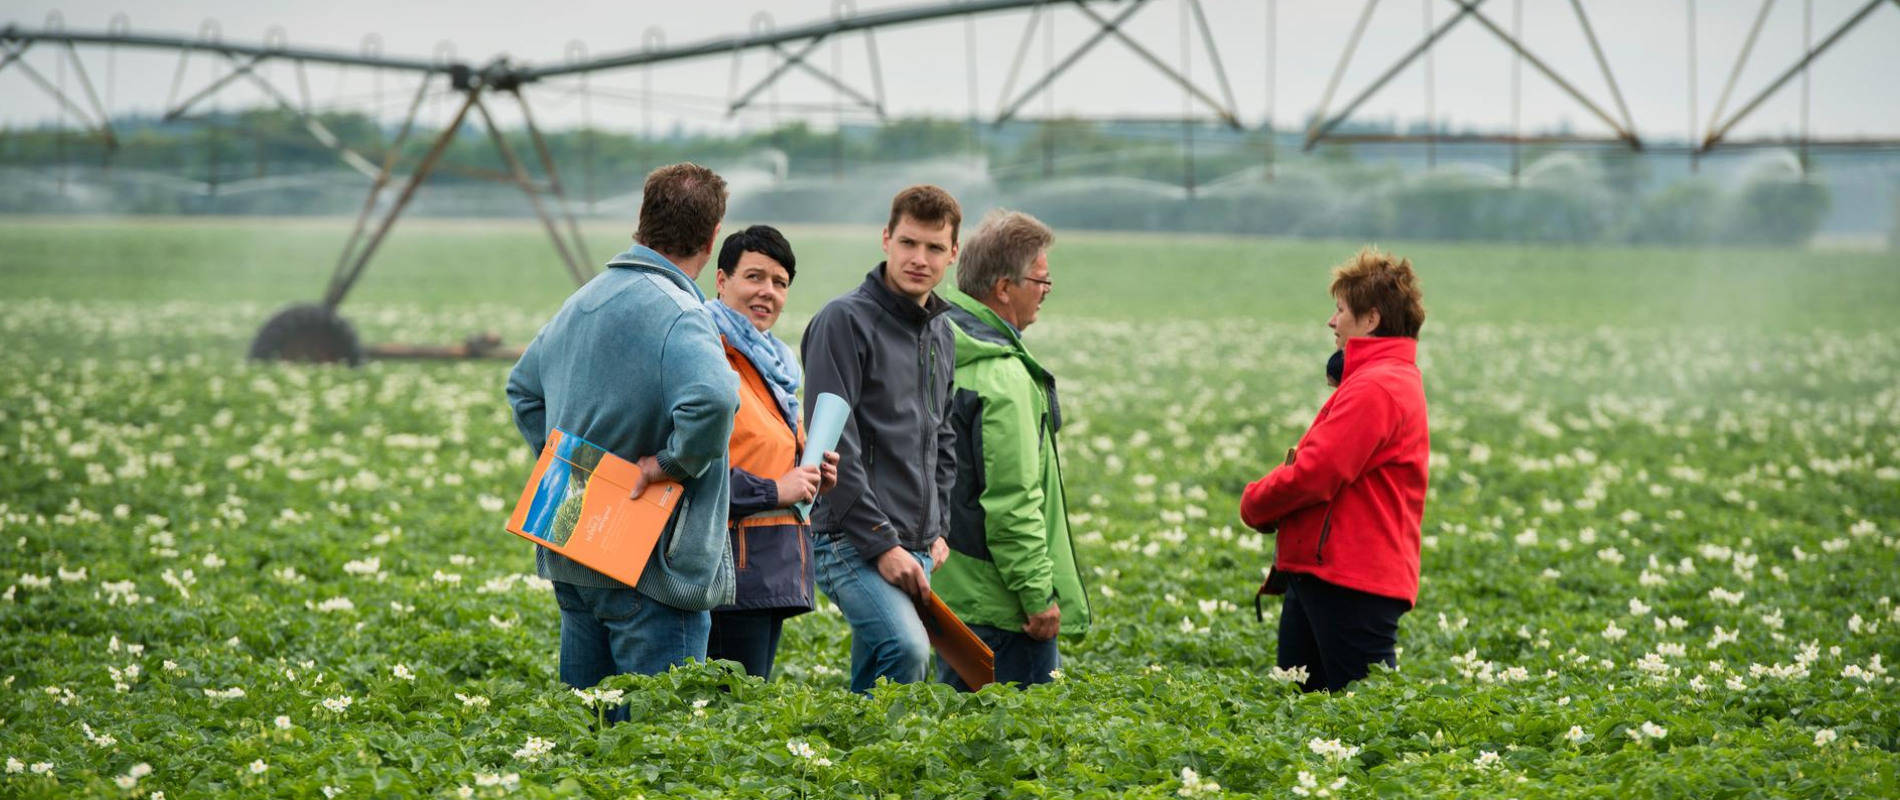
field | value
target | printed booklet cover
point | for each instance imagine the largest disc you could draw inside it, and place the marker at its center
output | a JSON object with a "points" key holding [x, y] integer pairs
{"points": [[577, 503]]}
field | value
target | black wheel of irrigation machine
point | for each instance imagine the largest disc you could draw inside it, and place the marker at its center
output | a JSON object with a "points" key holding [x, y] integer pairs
{"points": [[307, 332]]}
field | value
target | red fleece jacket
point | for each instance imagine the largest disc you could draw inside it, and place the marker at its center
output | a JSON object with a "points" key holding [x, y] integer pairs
{"points": [[1348, 507]]}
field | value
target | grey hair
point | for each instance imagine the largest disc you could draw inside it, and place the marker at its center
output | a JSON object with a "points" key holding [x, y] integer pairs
{"points": [[1002, 248]]}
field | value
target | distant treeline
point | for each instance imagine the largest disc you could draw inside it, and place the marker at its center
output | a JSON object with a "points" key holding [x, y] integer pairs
{"points": [[1079, 174]]}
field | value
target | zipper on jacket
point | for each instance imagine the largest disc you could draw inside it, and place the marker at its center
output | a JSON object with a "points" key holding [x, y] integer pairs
{"points": [[1325, 530], [929, 354], [741, 558]]}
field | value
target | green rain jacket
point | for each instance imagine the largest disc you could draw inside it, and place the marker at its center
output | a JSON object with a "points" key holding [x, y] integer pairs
{"points": [[1009, 520]]}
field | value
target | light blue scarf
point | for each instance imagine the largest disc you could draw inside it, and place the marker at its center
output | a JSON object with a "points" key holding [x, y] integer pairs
{"points": [[774, 359]]}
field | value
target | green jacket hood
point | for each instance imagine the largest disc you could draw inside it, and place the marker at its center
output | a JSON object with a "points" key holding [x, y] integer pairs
{"points": [[982, 334]]}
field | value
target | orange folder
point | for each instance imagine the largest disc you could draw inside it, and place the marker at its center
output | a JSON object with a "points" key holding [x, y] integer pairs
{"points": [[578, 503], [956, 643]]}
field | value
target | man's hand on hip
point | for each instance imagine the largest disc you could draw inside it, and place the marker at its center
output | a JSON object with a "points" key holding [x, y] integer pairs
{"points": [[939, 552], [899, 569], [650, 473], [1044, 625]]}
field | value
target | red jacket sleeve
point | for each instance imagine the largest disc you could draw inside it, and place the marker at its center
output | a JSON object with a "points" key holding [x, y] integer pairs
{"points": [[1334, 452]]}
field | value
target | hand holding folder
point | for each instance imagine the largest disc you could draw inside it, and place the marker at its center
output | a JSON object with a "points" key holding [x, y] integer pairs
{"points": [[596, 508]]}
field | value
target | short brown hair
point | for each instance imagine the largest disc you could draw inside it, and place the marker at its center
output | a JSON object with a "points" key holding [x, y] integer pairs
{"points": [[680, 209], [1003, 247], [1375, 279], [928, 204]]}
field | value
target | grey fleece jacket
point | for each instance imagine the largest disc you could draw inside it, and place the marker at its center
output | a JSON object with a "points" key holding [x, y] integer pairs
{"points": [[895, 363], [632, 363]]}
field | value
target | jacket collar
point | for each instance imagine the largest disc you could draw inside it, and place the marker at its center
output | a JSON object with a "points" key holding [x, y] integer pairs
{"points": [[646, 259], [983, 325], [1371, 349], [981, 322], [898, 305]]}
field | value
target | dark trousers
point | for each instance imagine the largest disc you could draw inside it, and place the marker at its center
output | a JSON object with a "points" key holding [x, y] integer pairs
{"points": [[1019, 659], [1336, 633], [749, 637]]}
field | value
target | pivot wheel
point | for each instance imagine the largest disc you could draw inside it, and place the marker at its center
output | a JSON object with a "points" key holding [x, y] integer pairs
{"points": [[308, 333]]}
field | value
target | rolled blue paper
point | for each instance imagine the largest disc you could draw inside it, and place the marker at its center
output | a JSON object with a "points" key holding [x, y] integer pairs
{"points": [[828, 415]]}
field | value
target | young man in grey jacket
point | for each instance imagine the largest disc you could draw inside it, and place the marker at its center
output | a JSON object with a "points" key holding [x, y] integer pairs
{"points": [[886, 348], [632, 363]]}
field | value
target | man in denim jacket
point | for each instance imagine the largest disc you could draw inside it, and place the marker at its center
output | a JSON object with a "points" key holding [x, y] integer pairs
{"points": [[633, 363]]}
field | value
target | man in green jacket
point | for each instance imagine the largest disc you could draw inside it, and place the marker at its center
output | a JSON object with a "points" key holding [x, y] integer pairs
{"points": [[1015, 582]]}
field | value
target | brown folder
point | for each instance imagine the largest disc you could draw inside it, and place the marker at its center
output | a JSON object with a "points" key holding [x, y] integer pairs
{"points": [[956, 643]]}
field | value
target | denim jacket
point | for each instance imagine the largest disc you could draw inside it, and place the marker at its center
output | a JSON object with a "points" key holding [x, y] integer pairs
{"points": [[633, 363]]}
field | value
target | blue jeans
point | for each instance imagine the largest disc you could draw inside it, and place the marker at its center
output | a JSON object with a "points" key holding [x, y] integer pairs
{"points": [[1020, 659], [610, 631], [887, 638]]}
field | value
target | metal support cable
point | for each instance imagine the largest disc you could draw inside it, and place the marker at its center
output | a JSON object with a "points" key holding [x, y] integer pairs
{"points": [[520, 174], [554, 184], [390, 159], [785, 65], [1226, 114], [1213, 56], [1339, 72], [315, 126], [1187, 99], [202, 94], [1517, 92], [1431, 97], [1741, 60], [1323, 126], [1807, 46], [92, 96], [1603, 63], [1016, 64], [1273, 54], [1695, 158], [1538, 64], [442, 140]]}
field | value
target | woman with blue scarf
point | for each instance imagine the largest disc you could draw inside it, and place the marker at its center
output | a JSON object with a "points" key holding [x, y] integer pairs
{"points": [[771, 543]]}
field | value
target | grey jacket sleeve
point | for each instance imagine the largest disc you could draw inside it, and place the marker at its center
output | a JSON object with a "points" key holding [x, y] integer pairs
{"points": [[525, 397], [946, 448], [701, 395], [832, 356]]}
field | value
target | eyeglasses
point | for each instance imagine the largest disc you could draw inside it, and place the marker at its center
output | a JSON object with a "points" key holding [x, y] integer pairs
{"points": [[1047, 286]]}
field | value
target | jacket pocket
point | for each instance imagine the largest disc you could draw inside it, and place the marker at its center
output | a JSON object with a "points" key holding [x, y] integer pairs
{"points": [[672, 534]]}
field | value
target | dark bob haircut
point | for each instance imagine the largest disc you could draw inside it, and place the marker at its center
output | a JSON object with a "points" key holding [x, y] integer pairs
{"points": [[764, 240]]}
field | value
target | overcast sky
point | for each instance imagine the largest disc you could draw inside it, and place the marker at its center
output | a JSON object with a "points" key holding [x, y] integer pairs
{"points": [[926, 65]]}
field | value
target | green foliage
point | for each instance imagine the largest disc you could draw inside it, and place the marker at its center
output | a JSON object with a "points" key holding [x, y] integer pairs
{"points": [[1615, 492]]}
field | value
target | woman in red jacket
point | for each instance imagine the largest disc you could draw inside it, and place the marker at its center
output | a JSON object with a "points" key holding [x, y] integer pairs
{"points": [[1348, 502]]}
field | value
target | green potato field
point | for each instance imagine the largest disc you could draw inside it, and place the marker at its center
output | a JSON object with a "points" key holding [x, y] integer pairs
{"points": [[1662, 544]]}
